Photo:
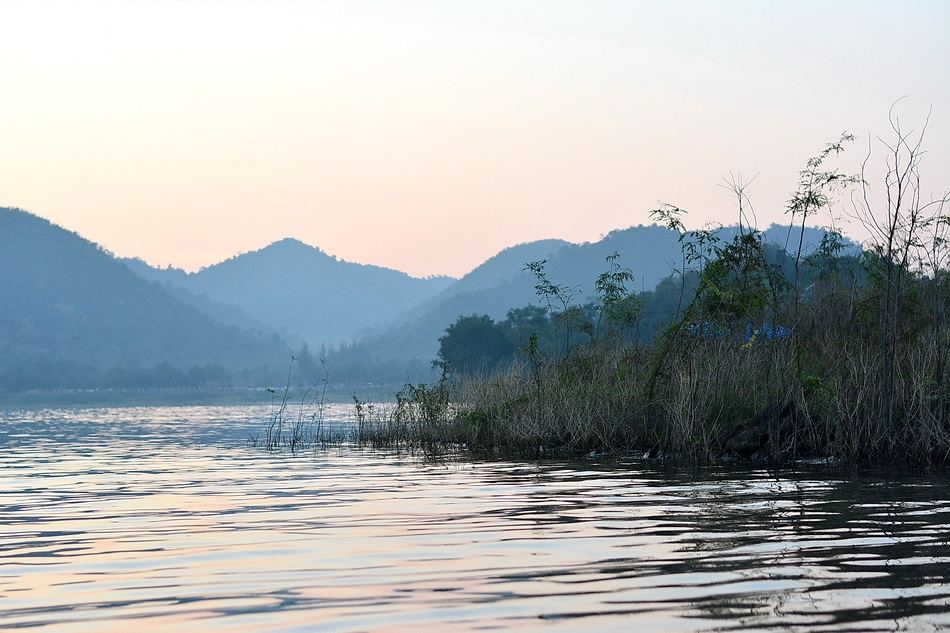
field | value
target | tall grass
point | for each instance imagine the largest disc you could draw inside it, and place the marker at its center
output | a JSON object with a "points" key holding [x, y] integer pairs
{"points": [[597, 400], [296, 424]]}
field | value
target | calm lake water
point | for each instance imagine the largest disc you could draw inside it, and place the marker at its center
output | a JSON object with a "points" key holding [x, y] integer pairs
{"points": [[138, 519]]}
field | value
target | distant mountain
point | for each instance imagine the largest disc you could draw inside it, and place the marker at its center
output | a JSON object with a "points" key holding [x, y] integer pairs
{"points": [[501, 283], [300, 292], [174, 280], [168, 276], [508, 263], [68, 306], [493, 272], [65, 301]]}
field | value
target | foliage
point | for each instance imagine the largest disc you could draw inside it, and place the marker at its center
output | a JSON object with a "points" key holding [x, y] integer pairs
{"points": [[747, 348], [473, 343]]}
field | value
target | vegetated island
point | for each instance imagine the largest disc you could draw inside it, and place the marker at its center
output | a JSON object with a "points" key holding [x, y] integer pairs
{"points": [[749, 351]]}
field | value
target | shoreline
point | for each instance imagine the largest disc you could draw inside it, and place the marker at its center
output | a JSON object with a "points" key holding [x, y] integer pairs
{"points": [[79, 398]]}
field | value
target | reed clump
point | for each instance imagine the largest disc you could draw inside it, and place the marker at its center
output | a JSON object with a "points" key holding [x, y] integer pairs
{"points": [[295, 424]]}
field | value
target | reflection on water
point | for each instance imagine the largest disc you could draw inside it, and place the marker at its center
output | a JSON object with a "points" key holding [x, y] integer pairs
{"points": [[164, 519]]}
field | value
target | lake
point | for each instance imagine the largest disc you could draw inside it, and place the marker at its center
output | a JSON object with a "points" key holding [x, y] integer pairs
{"points": [[164, 518]]}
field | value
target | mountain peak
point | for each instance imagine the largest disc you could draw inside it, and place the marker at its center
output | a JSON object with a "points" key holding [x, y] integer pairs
{"points": [[292, 244]]}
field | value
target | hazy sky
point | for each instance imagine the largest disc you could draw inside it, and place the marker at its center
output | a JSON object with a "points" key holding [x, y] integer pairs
{"points": [[428, 135]]}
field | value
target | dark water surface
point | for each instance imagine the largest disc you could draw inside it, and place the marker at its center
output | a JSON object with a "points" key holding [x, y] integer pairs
{"points": [[140, 519]]}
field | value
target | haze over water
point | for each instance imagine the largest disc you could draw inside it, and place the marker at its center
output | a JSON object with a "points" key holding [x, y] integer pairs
{"points": [[118, 519]]}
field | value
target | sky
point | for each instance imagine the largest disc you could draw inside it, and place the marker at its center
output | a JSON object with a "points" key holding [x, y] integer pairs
{"points": [[426, 136]]}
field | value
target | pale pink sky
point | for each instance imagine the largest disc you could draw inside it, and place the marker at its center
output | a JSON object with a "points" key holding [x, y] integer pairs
{"points": [[426, 136]]}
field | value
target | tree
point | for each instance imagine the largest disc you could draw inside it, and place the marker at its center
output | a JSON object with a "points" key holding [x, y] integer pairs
{"points": [[474, 343], [898, 229]]}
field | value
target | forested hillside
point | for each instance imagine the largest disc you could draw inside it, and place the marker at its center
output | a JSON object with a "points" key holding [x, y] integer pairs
{"points": [[72, 315]]}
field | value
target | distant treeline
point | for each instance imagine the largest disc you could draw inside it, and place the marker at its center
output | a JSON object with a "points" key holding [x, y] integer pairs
{"points": [[338, 365], [51, 375]]}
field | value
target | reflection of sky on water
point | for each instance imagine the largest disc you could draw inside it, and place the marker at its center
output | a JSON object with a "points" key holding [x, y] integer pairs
{"points": [[163, 518]]}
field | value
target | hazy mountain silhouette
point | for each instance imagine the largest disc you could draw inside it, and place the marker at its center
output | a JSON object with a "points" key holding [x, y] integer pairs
{"points": [[168, 276], [493, 272], [301, 292], [651, 252], [505, 265], [66, 301], [175, 279]]}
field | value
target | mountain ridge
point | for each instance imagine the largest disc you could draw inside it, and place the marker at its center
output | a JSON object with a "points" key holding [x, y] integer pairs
{"points": [[65, 300], [68, 299], [301, 292], [650, 251]]}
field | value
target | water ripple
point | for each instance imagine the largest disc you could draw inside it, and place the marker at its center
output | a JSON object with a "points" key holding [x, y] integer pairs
{"points": [[165, 519]]}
